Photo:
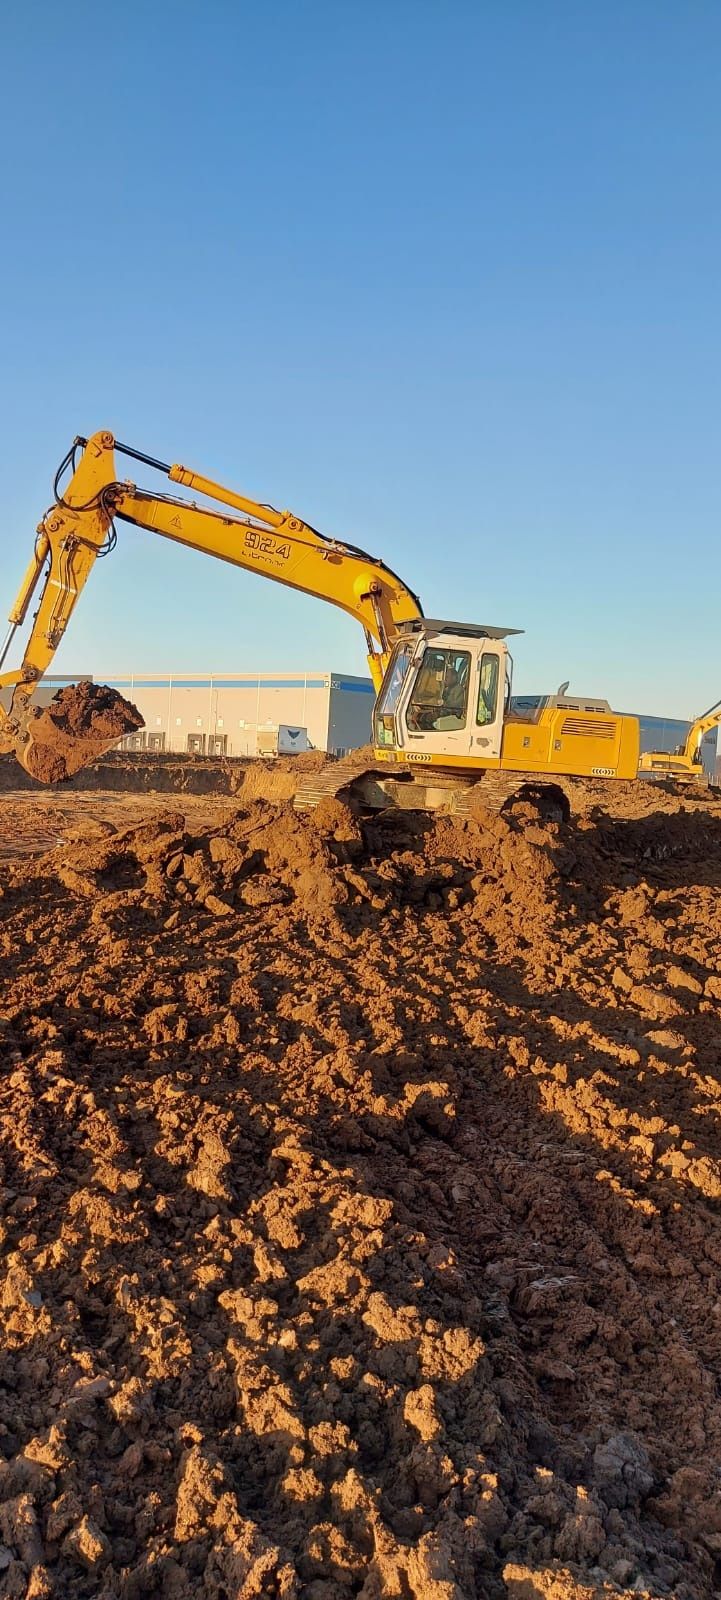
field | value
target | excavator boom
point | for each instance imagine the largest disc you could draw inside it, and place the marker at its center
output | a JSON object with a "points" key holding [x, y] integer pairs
{"points": [[80, 527], [698, 730]]}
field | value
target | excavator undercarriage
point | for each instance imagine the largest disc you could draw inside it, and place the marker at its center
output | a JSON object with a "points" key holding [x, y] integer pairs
{"points": [[357, 783]]}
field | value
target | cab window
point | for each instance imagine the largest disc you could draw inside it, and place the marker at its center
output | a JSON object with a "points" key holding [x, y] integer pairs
{"points": [[390, 695], [390, 692], [440, 693], [488, 689]]}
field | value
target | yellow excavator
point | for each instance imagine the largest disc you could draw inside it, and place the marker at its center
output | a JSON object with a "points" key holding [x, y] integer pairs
{"points": [[685, 764], [446, 724]]}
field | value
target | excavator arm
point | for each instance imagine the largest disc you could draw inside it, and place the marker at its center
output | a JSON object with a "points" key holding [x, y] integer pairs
{"points": [[80, 527], [698, 730]]}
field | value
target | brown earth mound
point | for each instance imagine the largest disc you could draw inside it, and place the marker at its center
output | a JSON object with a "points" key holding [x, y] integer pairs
{"points": [[78, 726], [122, 771], [361, 1208]]}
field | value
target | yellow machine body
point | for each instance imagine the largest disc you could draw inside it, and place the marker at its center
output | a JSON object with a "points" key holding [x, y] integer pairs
{"points": [[554, 744]]}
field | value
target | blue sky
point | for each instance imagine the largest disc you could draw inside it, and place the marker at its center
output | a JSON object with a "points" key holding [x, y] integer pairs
{"points": [[441, 277]]}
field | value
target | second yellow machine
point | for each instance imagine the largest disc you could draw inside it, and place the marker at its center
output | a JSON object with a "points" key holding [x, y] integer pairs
{"points": [[445, 718]]}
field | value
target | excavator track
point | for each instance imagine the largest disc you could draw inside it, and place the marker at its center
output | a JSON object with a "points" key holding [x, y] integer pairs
{"points": [[355, 780], [555, 797], [329, 783], [496, 790]]}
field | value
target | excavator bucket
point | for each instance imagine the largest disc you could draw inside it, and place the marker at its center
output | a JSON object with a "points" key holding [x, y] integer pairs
{"points": [[80, 723]]}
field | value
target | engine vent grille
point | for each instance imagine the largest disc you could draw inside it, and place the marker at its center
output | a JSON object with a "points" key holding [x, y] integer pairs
{"points": [[588, 728]]}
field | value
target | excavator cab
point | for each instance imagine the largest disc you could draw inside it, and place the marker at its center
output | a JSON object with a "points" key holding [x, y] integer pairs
{"points": [[444, 693]]}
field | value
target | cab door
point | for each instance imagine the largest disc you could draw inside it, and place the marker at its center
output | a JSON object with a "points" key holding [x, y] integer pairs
{"points": [[438, 701], [486, 720]]}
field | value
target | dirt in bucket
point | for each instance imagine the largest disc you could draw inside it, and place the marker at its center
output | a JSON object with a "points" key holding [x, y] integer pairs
{"points": [[81, 722]]}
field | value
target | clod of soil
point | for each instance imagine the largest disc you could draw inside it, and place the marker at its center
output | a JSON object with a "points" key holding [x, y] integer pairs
{"points": [[81, 722], [360, 1199]]}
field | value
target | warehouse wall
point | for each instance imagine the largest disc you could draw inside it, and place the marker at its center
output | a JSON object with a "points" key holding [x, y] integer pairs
{"points": [[351, 705], [223, 715]]}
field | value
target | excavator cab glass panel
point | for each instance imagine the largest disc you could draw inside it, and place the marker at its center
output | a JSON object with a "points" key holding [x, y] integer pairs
{"points": [[526, 707], [488, 689], [440, 693], [390, 694], [508, 686]]}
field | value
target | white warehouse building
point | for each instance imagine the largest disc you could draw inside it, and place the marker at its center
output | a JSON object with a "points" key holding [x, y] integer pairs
{"points": [[233, 713]]}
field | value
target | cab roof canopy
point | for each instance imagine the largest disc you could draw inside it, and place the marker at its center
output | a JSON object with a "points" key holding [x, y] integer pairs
{"points": [[466, 630]]}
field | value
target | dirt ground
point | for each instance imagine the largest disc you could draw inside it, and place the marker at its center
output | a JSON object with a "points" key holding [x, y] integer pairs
{"points": [[123, 788], [121, 772], [360, 1203]]}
